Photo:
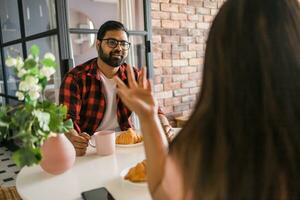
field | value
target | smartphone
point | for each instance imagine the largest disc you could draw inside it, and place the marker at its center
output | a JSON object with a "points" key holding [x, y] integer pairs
{"points": [[97, 194]]}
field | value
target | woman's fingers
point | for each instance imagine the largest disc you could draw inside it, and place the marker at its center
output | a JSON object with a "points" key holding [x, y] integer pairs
{"points": [[131, 80]]}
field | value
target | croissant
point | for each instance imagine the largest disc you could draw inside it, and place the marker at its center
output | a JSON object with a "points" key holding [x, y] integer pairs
{"points": [[128, 137], [137, 173]]}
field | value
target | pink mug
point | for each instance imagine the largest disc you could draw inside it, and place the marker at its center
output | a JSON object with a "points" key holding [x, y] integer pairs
{"points": [[104, 142]]}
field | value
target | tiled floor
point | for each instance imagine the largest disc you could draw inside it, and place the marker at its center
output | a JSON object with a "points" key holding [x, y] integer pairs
{"points": [[8, 169]]}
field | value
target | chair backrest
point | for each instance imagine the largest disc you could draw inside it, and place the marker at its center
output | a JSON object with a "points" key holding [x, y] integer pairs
{"points": [[9, 193]]}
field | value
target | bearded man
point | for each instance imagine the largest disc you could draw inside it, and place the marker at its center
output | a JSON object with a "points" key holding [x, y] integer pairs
{"points": [[90, 93]]}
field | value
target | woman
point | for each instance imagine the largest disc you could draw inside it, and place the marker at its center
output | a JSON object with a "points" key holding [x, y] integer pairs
{"points": [[243, 138]]}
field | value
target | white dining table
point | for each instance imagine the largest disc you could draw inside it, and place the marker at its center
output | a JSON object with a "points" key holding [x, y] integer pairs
{"points": [[89, 172]]}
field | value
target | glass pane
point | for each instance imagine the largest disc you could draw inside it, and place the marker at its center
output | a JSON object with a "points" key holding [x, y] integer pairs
{"points": [[137, 15], [1, 77], [91, 14], [2, 101], [10, 24], [13, 102], [137, 51], [39, 16], [11, 78], [49, 44], [84, 47]]}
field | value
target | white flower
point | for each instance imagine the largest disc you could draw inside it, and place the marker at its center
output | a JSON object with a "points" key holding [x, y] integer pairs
{"points": [[21, 73], [36, 88], [20, 63], [47, 71], [30, 56], [20, 95], [52, 134], [23, 86], [43, 118], [31, 80], [49, 56], [34, 95], [10, 62]]}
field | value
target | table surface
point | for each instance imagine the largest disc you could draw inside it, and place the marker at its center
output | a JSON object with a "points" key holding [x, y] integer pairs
{"points": [[89, 172]]}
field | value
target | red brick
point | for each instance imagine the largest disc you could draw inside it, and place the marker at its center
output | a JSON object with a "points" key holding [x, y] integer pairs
{"points": [[194, 90], [195, 32], [180, 31], [197, 3], [188, 98], [160, 15], [178, 70], [172, 86], [158, 88], [203, 25], [179, 1], [178, 16], [208, 18], [214, 11], [178, 47], [187, 24], [195, 47], [165, 47], [163, 95], [157, 71], [203, 11], [182, 107], [162, 63], [172, 101], [169, 24], [155, 6], [166, 70], [156, 23], [187, 39], [188, 70], [189, 84], [168, 109], [157, 80], [196, 61], [188, 54], [156, 55], [156, 39], [166, 79], [171, 55], [180, 77], [180, 62], [161, 31], [194, 76], [187, 9], [201, 39], [210, 4], [193, 17], [163, 1], [170, 39], [169, 7], [181, 92]]}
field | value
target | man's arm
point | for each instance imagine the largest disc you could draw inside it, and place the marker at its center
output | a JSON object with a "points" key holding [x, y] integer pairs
{"points": [[69, 95]]}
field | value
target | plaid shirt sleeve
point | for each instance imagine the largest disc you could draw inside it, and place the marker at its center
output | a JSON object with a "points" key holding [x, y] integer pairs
{"points": [[69, 95]]}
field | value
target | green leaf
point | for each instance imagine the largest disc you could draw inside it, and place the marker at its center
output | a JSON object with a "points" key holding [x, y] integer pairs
{"points": [[29, 64], [35, 50], [48, 62], [27, 156]]}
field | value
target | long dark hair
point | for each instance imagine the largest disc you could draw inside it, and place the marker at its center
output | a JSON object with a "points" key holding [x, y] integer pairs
{"points": [[243, 138]]}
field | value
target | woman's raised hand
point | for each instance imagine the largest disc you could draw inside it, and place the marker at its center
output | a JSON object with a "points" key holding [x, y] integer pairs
{"points": [[137, 96]]}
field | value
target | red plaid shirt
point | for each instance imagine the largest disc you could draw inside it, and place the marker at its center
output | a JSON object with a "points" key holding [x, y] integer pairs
{"points": [[82, 92]]}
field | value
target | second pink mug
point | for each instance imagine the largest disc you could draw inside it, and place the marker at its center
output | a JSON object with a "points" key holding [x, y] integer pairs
{"points": [[104, 142]]}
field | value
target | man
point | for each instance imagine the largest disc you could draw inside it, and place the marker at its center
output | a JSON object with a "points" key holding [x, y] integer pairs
{"points": [[89, 91]]}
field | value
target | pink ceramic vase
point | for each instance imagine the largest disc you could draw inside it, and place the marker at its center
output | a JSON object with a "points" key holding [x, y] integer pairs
{"points": [[58, 154]]}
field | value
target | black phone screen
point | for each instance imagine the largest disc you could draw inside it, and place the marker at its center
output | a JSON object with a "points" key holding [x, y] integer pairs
{"points": [[97, 194]]}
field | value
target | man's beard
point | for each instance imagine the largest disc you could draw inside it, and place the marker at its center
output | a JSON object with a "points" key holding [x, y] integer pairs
{"points": [[109, 59]]}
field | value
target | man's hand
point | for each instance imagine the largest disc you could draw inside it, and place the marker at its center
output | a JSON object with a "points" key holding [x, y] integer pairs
{"points": [[80, 141]]}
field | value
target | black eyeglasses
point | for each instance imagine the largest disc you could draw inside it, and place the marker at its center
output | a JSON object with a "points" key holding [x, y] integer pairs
{"points": [[113, 43]]}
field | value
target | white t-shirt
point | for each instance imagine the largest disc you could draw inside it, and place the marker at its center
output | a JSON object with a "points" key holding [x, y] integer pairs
{"points": [[110, 120]]}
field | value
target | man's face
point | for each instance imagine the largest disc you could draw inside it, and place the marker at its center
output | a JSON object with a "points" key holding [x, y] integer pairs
{"points": [[113, 56]]}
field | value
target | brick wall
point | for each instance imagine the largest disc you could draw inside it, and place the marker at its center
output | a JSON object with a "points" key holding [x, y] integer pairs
{"points": [[180, 29]]}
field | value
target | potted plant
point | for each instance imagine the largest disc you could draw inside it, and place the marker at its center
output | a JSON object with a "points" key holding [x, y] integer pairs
{"points": [[35, 120]]}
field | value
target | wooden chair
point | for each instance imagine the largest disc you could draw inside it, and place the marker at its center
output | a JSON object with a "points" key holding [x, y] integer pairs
{"points": [[9, 193]]}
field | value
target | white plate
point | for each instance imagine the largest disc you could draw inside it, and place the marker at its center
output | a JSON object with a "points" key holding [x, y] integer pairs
{"points": [[128, 145], [127, 182]]}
